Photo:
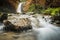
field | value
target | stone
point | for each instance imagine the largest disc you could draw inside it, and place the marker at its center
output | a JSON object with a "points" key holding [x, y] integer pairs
{"points": [[3, 17], [20, 24]]}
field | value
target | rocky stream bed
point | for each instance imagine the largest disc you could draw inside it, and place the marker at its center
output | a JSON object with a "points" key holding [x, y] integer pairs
{"points": [[24, 35]]}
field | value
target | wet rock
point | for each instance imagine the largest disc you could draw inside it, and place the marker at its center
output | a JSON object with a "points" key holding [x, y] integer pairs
{"points": [[56, 19], [3, 17], [19, 25], [8, 26]]}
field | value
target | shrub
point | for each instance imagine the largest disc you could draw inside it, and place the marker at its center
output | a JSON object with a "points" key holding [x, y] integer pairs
{"points": [[35, 8], [32, 8], [52, 11]]}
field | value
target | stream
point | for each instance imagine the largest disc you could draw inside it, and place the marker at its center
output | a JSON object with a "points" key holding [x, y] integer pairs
{"points": [[41, 28]]}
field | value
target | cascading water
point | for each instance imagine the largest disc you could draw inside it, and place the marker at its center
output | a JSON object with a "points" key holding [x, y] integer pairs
{"points": [[47, 32], [20, 7], [1, 27]]}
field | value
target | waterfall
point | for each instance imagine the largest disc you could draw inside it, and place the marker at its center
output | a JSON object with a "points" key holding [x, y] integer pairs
{"points": [[20, 7]]}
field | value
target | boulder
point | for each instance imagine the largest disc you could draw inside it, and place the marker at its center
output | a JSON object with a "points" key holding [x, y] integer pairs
{"points": [[3, 17], [56, 19], [18, 25]]}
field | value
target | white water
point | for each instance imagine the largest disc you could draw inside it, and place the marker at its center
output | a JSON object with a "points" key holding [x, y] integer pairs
{"points": [[20, 8], [1, 27], [47, 32]]}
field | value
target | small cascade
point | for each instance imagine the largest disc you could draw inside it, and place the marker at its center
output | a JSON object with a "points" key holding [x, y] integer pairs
{"points": [[20, 8], [44, 22], [47, 32], [1, 27]]}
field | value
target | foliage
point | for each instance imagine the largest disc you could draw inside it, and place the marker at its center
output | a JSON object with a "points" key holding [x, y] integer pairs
{"points": [[32, 8], [1, 14], [52, 11], [35, 8], [38, 8], [22, 0], [55, 11]]}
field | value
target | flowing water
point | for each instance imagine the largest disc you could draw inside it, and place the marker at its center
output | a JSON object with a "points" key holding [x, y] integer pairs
{"points": [[47, 32], [42, 29], [1, 27], [20, 8]]}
